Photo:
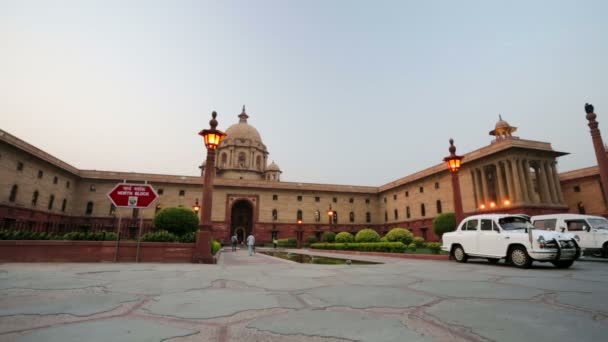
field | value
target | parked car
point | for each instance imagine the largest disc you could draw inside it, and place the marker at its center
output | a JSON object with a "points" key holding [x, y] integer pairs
{"points": [[510, 237], [592, 230]]}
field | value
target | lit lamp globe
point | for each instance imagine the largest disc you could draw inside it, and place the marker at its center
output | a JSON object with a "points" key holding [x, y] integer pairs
{"points": [[213, 137]]}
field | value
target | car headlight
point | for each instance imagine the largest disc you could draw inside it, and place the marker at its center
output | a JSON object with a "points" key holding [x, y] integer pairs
{"points": [[541, 239], [577, 238]]}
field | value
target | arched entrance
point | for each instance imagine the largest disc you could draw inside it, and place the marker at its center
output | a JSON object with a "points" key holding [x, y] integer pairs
{"points": [[241, 219]]}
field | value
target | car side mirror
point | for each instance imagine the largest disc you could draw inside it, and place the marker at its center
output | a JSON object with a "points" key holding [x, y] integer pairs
{"points": [[563, 229]]}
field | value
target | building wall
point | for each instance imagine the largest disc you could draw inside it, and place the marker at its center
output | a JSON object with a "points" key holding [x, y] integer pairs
{"points": [[586, 194]]}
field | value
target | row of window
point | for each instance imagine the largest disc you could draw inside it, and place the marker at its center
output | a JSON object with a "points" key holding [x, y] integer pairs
{"points": [[407, 193], [15, 189], [318, 199], [408, 213], [20, 167], [317, 216]]}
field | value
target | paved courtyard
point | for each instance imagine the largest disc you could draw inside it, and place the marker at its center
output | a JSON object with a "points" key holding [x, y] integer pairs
{"points": [[260, 298]]}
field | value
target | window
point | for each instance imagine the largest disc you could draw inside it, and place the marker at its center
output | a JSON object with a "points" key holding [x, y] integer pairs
{"points": [[299, 198], [19, 166], [67, 184], [35, 198], [55, 180], [275, 214], [545, 224], [64, 204], [317, 216], [439, 209], [470, 225], [407, 212], [242, 159], [161, 191], [386, 216], [335, 199], [367, 201], [113, 209], [486, 225], [351, 216], [577, 188], [384, 199], [317, 199], [351, 200], [182, 193], [395, 197], [135, 213], [396, 214], [407, 194], [51, 200], [422, 210], [40, 173], [423, 232], [436, 185], [299, 214], [13, 196], [92, 187], [368, 217], [576, 225], [89, 209], [421, 189], [275, 197]]}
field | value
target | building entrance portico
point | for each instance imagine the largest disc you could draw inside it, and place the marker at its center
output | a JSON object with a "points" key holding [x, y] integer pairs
{"points": [[241, 222]]}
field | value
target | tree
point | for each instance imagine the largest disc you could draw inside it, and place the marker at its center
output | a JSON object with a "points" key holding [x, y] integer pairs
{"points": [[444, 223], [178, 221]]}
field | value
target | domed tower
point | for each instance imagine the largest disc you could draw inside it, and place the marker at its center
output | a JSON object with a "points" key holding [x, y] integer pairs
{"points": [[273, 172], [242, 154], [503, 130]]}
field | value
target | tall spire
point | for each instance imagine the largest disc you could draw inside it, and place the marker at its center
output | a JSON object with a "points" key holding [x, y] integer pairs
{"points": [[243, 116]]}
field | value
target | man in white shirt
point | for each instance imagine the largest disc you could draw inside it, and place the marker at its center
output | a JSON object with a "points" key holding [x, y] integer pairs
{"points": [[250, 243]]}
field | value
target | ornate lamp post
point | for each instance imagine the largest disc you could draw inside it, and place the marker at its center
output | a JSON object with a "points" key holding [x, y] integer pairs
{"points": [[600, 150], [196, 207], [212, 137], [300, 234], [453, 162]]}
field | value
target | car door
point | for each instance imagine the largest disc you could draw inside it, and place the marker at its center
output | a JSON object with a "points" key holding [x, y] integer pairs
{"points": [[489, 241], [468, 236], [580, 228]]}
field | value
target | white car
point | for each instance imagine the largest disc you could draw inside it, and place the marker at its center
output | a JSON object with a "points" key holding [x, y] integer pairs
{"points": [[592, 230], [512, 237]]}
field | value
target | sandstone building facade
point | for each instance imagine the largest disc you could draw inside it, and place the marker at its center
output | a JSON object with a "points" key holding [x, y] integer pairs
{"points": [[41, 192]]}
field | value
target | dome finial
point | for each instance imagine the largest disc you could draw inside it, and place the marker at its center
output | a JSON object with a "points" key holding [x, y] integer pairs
{"points": [[499, 117], [243, 116]]}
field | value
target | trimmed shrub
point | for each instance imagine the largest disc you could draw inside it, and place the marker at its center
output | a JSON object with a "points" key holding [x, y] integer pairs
{"points": [[390, 247], [187, 238], [367, 235], [400, 234], [215, 246], [383, 239], [344, 237], [178, 221], [90, 236], [444, 223], [160, 236], [412, 247], [328, 237], [26, 235], [286, 243], [312, 239], [435, 247], [418, 241]]}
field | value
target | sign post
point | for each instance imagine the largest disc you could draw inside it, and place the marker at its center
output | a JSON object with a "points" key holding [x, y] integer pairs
{"points": [[127, 195]]}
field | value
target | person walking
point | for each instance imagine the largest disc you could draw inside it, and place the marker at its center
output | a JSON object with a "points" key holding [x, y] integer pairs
{"points": [[234, 240], [250, 243]]}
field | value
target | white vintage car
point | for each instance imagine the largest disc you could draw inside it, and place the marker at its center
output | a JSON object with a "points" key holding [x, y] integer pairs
{"points": [[512, 237]]}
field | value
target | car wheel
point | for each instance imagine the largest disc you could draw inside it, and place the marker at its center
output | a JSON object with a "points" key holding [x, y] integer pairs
{"points": [[562, 263], [519, 257], [459, 254], [493, 260], [605, 250]]}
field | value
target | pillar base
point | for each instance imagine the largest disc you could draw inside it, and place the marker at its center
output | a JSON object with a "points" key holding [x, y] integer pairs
{"points": [[202, 248]]}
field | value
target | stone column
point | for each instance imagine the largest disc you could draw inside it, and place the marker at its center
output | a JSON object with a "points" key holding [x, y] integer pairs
{"points": [[502, 194], [518, 181], [542, 182], [529, 187], [474, 183], [551, 182], [560, 195], [479, 188], [484, 184], [509, 177]]}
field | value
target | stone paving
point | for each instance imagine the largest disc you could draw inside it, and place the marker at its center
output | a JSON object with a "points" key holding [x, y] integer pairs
{"points": [[261, 298]]}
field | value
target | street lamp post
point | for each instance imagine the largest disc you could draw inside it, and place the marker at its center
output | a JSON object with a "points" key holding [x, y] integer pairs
{"points": [[454, 162], [212, 138], [300, 234], [600, 150]]}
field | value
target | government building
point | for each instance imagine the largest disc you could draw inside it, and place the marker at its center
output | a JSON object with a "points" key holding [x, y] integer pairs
{"points": [[41, 192]]}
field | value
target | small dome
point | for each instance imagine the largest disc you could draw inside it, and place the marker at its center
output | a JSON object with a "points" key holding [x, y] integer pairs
{"points": [[502, 124], [273, 167]]}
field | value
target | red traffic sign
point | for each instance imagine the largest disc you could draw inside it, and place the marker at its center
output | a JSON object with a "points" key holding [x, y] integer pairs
{"points": [[132, 195]]}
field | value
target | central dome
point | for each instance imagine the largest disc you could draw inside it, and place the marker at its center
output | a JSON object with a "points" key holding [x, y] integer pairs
{"points": [[242, 131]]}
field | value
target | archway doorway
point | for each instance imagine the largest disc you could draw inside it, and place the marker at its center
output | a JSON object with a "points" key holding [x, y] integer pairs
{"points": [[241, 220]]}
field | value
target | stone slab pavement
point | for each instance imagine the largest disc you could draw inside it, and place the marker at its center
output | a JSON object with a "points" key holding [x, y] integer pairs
{"points": [[261, 298]]}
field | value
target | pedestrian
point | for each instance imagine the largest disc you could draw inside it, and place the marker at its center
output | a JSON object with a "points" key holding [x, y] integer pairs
{"points": [[274, 243], [250, 243], [234, 241]]}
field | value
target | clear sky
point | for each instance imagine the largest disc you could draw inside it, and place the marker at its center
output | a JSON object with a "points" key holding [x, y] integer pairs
{"points": [[346, 92]]}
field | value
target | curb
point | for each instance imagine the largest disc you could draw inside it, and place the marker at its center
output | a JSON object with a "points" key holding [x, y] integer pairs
{"points": [[390, 255]]}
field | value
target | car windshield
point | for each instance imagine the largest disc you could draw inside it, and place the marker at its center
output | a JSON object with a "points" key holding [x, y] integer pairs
{"points": [[514, 222], [598, 223]]}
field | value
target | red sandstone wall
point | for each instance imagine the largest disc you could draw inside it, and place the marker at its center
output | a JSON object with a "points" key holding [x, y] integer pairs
{"points": [[93, 251]]}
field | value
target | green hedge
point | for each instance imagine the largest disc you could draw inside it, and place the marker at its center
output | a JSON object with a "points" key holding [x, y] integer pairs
{"points": [[188, 237], [176, 220], [215, 246], [160, 236], [400, 234], [394, 247], [291, 242], [27, 235], [91, 236], [344, 237], [435, 247], [418, 241], [312, 239], [328, 237], [367, 235]]}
